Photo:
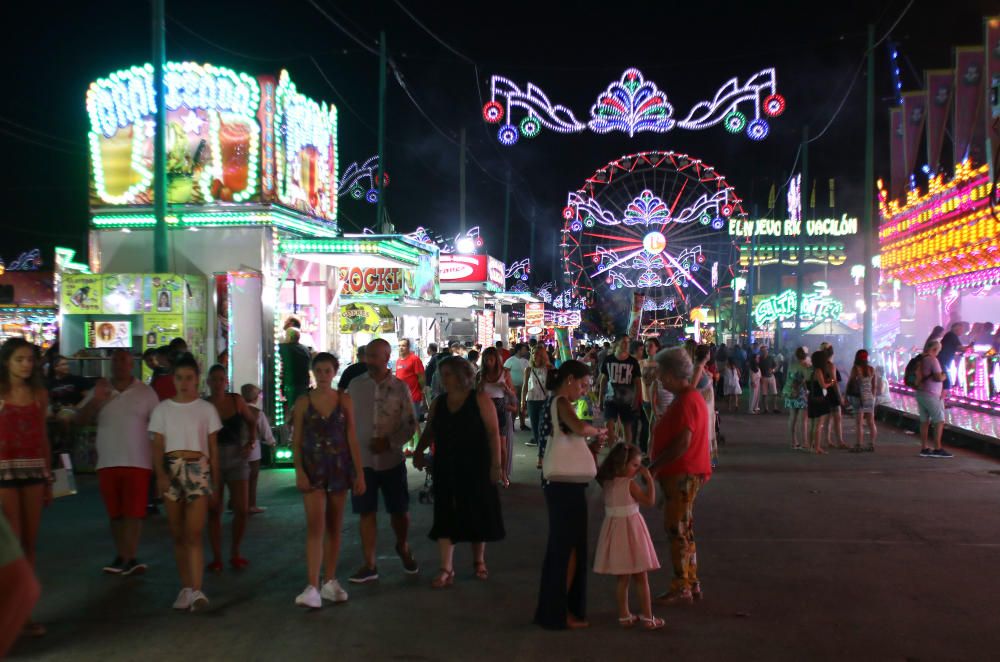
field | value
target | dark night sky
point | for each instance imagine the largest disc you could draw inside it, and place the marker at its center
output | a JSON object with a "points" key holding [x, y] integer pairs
{"points": [[688, 49]]}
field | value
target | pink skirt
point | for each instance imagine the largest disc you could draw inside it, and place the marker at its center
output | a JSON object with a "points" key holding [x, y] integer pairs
{"points": [[624, 546]]}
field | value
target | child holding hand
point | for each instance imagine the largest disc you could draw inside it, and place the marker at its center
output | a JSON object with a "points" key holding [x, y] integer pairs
{"points": [[624, 547]]}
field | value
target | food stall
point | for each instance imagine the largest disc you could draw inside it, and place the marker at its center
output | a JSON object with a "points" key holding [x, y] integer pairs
{"points": [[252, 209]]}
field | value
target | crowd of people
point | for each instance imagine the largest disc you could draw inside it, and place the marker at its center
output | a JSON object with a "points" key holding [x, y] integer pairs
{"points": [[639, 418]]}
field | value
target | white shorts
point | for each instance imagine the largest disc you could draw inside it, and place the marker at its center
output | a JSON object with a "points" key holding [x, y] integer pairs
{"points": [[768, 385]]}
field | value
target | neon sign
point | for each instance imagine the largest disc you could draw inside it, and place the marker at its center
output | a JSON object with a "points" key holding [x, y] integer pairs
{"points": [[306, 151], [815, 307], [819, 227]]}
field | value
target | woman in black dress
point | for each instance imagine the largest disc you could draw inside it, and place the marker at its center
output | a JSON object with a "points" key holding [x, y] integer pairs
{"points": [[463, 429], [818, 404]]}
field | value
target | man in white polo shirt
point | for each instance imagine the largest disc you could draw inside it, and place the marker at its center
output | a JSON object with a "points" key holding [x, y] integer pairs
{"points": [[124, 456]]}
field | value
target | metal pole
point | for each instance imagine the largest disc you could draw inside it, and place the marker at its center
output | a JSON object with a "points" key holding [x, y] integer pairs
{"points": [[750, 283], [380, 206], [506, 222], [869, 224], [803, 206], [160, 249], [531, 246], [461, 182]]}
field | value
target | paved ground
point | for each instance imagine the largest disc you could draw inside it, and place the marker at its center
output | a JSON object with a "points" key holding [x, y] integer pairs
{"points": [[863, 557]]}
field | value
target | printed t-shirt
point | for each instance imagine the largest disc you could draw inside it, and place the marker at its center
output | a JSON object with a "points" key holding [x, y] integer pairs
{"points": [[622, 375]]}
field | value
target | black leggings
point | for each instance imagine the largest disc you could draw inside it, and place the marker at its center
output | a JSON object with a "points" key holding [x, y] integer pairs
{"points": [[567, 505]]}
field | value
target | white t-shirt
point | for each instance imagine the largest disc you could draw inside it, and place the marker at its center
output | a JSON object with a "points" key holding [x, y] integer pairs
{"points": [[263, 435], [516, 365], [123, 428], [185, 426]]}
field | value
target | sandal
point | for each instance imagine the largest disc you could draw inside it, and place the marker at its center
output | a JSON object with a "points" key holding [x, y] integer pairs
{"points": [[653, 623], [482, 572], [444, 578], [856, 449], [870, 449], [214, 566], [628, 621]]}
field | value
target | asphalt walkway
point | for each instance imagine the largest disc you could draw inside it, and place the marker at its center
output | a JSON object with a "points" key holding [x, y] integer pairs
{"points": [[875, 556]]}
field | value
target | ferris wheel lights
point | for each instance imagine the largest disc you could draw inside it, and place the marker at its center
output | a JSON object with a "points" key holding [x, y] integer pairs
{"points": [[568, 212], [727, 210], [508, 135], [492, 112]]}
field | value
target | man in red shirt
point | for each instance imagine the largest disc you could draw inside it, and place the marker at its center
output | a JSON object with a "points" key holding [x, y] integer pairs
{"points": [[504, 353], [681, 462], [410, 370]]}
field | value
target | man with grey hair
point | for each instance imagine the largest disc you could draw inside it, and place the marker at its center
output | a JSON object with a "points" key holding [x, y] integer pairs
{"points": [[681, 464], [930, 380], [384, 421]]}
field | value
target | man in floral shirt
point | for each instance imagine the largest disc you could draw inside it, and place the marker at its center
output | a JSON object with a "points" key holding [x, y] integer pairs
{"points": [[384, 421]]}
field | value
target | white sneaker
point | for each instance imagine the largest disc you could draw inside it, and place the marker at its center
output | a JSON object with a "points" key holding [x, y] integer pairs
{"points": [[183, 600], [309, 598], [198, 600], [333, 592]]}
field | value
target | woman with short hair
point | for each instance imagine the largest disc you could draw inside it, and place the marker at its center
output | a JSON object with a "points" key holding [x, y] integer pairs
{"points": [[464, 431], [680, 462]]}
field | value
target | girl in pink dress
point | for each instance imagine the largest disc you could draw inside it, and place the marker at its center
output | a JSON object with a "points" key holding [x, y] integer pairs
{"points": [[624, 547]]}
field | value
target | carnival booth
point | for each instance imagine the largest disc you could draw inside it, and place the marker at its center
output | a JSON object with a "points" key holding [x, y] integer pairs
{"points": [[27, 301], [252, 206], [941, 264], [472, 299]]}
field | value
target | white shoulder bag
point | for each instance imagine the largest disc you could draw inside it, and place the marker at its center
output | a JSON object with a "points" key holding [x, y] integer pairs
{"points": [[567, 457]]}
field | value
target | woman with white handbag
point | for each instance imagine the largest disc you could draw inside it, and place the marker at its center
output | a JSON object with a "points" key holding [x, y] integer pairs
{"points": [[568, 466]]}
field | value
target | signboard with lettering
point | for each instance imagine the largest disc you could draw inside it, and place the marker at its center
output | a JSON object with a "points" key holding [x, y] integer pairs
{"points": [[534, 318], [817, 227], [472, 272], [371, 281]]}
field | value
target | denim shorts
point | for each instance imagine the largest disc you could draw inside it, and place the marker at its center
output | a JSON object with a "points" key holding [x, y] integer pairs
{"points": [[931, 407], [393, 486]]}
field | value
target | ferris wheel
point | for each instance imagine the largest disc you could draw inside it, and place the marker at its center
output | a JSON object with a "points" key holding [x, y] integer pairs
{"points": [[655, 223]]}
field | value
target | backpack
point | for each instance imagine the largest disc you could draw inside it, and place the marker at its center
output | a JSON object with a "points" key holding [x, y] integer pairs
{"points": [[911, 375]]}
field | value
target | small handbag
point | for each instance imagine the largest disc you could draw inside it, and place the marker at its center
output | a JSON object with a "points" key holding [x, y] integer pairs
{"points": [[567, 457]]}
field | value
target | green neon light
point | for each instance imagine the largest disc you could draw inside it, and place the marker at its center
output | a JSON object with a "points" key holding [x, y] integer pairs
{"points": [[64, 258], [815, 307], [220, 219], [391, 248]]}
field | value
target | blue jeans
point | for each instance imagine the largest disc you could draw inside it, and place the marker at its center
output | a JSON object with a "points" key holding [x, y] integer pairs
{"points": [[535, 410]]}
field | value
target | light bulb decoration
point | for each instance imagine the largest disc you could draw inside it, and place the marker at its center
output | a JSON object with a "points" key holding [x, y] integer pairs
{"points": [[519, 271], [634, 105], [359, 180], [667, 241], [508, 135]]}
